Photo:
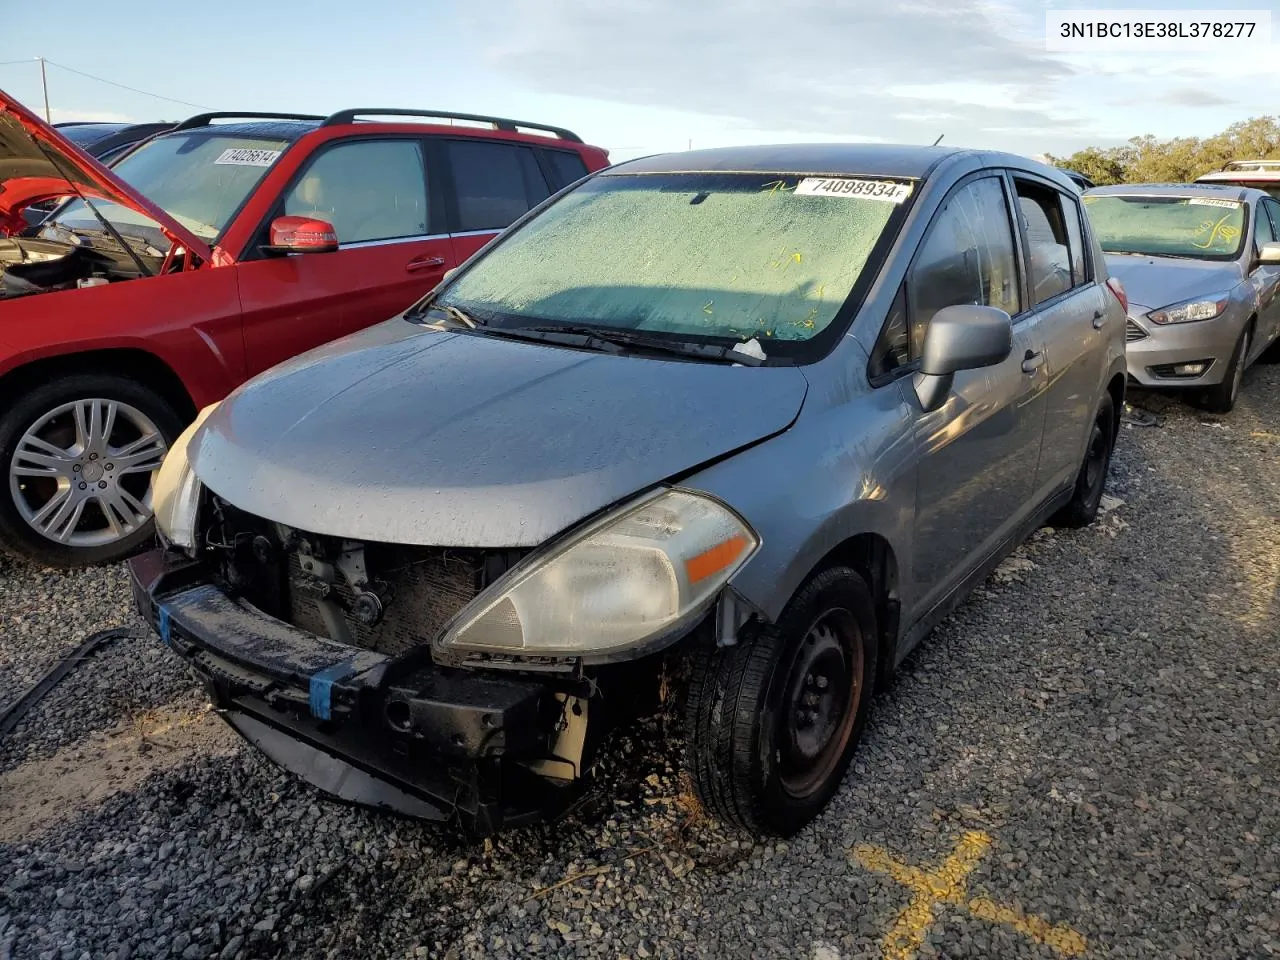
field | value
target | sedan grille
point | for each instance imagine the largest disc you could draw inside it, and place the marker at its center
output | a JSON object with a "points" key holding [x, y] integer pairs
{"points": [[1133, 332]]}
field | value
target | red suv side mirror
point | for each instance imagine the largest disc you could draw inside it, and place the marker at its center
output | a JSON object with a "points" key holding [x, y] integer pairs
{"points": [[302, 235]]}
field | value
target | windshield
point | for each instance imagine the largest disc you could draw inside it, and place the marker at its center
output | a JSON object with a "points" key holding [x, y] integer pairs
{"points": [[1205, 228], [198, 179], [686, 255]]}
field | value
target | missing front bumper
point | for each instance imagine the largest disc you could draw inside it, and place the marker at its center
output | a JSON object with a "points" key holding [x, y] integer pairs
{"points": [[394, 733]]}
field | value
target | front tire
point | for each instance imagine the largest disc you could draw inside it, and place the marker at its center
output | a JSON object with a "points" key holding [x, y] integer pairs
{"points": [[77, 459], [1222, 397], [1082, 509], [771, 724]]}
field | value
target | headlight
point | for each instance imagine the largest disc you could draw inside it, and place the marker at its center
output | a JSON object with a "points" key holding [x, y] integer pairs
{"points": [[1205, 308], [627, 579], [176, 491]]}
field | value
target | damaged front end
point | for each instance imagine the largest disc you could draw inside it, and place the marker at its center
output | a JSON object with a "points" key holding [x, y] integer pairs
{"points": [[318, 651]]}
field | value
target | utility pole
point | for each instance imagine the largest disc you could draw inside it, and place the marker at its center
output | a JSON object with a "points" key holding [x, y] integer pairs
{"points": [[44, 82]]}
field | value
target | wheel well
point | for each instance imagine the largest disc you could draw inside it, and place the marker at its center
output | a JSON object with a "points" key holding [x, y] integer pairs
{"points": [[146, 368], [872, 556], [1116, 388]]}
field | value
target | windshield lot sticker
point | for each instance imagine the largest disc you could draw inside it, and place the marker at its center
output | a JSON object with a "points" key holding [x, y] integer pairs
{"points": [[867, 189], [248, 157], [1212, 202]]}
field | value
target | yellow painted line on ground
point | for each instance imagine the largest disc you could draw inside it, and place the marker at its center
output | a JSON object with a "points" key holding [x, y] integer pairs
{"points": [[948, 884]]}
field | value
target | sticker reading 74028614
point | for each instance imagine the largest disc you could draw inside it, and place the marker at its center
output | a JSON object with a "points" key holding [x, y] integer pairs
{"points": [[888, 190]]}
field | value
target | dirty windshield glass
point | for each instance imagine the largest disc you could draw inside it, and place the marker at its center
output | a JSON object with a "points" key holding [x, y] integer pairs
{"points": [[1202, 227], [689, 255], [198, 179]]}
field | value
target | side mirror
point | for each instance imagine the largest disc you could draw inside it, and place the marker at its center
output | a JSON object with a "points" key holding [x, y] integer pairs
{"points": [[1269, 253], [961, 337], [302, 235]]}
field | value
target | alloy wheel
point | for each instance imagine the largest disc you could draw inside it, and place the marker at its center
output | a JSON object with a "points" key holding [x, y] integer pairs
{"points": [[81, 475]]}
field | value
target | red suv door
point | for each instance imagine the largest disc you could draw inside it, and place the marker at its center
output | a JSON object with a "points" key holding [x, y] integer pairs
{"points": [[394, 247]]}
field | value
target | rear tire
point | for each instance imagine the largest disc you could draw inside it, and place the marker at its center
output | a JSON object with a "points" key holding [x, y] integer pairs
{"points": [[771, 724], [1222, 397], [1082, 509], [43, 423]]}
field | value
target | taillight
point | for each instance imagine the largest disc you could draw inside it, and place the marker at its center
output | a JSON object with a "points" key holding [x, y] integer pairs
{"points": [[1116, 287]]}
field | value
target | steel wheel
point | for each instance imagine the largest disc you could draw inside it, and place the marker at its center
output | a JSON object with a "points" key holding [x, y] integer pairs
{"points": [[823, 690], [81, 474]]}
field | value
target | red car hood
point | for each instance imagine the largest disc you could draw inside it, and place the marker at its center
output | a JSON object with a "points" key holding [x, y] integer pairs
{"points": [[28, 174]]}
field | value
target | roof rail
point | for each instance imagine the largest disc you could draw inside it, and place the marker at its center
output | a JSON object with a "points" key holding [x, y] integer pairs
{"points": [[498, 123], [202, 119]]}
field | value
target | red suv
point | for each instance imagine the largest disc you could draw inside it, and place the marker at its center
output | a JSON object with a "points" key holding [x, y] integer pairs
{"points": [[253, 237]]}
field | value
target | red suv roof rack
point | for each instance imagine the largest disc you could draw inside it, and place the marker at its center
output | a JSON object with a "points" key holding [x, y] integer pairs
{"points": [[203, 119], [498, 123]]}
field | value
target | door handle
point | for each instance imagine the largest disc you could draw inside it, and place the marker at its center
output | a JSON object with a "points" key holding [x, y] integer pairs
{"points": [[1099, 320], [1033, 361], [423, 263]]}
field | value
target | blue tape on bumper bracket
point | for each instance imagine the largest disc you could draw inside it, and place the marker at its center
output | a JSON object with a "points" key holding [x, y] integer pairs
{"points": [[322, 682], [162, 624]]}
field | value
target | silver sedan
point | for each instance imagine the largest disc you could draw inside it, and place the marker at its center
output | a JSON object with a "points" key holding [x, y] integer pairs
{"points": [[1200, 264]]}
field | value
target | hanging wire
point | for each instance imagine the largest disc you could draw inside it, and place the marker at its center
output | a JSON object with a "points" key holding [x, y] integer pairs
{"points": [[122, 86]]}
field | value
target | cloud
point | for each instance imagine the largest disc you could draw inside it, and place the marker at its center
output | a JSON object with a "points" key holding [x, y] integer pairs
{"points": [[857, 67], [1195, 97]]}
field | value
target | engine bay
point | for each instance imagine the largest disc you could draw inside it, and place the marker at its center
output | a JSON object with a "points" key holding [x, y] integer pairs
{"points": [[30, 265]]}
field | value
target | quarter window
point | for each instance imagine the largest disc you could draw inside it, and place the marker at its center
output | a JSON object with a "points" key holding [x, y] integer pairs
{"points": [[1050, 264], [567, 167], [368, 190], [966, 257], [496, 182]]}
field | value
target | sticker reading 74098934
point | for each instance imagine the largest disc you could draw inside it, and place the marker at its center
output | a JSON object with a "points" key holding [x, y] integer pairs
{"points": [[888, 190]]}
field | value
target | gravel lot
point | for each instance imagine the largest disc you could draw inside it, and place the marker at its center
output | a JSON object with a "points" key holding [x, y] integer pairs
{"points": [[1095, 736]]}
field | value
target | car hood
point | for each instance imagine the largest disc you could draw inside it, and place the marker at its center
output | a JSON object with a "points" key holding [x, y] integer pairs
{"points": [[406, 435], [37, 163], [1157, 282]]}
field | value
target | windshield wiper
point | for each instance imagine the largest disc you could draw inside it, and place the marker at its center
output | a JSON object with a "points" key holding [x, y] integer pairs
{"points": [[630, 340]]}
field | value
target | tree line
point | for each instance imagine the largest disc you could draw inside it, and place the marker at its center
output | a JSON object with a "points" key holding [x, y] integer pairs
{"points": [[1180, 160]]}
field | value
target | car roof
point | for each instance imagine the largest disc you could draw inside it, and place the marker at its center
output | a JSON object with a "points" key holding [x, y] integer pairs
{"points": [[1222, 191], [288, 130], [912, 161]]}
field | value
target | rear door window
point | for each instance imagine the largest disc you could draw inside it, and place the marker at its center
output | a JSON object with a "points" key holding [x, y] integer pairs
{"points": [[1263, 232], [495, 183], [1075, 240], [1044, 222]]}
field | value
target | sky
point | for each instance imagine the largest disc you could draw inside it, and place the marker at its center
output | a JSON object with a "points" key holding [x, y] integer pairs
{"points": [[646, 76]]}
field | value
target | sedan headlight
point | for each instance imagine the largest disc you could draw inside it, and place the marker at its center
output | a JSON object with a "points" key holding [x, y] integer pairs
{"points": [[618, 584], [175, 493], [1203, 308]]}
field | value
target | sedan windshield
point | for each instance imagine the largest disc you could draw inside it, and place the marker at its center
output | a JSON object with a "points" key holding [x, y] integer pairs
{"points": [[1204, 228], [199, 179], [691, 255]]}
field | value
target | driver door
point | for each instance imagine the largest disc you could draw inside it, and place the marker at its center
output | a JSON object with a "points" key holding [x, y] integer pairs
{"points": [[978, 452], [393, 248]]}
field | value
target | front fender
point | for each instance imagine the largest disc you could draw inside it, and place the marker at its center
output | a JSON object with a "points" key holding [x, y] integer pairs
{"points": [[844, 469]]}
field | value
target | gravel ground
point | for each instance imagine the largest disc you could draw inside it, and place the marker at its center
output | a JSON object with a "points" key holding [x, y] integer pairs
{"points": [[1095, 737]]}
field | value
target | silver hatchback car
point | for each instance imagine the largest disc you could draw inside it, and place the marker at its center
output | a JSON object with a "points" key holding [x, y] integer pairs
{"points": [[733, 429], [1201, 266]]}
